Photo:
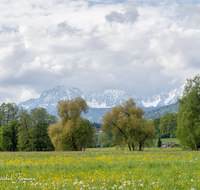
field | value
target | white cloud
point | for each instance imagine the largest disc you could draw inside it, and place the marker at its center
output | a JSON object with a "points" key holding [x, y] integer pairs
{"points": [[141, 47], [129, 15]]}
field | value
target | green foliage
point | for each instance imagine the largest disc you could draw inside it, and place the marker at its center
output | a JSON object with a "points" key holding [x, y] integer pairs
{"points": [[8, 126], [127, 126], [24, 137], [6, 138], [72, 132], [32, 135], [38, 131], [176, 146], [8, 113], [21, 130], [84, 134], [156, 122], [168, 125], [188, 130], [9, 136], [106, 139]]}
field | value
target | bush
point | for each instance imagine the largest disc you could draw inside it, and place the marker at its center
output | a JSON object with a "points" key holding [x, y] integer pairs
{"points": [[176, 145]]}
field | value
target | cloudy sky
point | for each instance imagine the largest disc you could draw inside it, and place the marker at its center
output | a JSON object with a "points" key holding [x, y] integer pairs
{"points": [[144, 47]]}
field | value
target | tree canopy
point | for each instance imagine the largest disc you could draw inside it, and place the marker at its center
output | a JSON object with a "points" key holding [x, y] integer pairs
{"points": [[24, 130], [127, 125], [32, 132], [72, 132], [188, 130], [168, 125]]}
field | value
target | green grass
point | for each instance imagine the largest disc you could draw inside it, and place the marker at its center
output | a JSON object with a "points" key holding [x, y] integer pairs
{"points": [[100, 168], [165, 140]]}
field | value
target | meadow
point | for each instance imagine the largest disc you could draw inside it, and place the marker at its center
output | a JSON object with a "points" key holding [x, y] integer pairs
{"points": [[108, 168]]}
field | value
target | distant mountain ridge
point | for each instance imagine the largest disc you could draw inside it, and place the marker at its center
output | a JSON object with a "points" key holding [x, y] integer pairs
{"points": [[107, 99]]}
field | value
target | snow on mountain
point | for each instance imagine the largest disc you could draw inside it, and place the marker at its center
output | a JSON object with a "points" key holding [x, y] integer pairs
{"points": [[162, 99], [153, 102], [106, 99]]}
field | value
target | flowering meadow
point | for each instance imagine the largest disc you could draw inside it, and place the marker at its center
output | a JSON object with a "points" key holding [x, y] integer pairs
{"points": [[101, 169]]}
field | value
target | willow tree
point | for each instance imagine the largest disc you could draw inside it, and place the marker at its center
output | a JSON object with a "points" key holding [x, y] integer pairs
{"points": [[188, 130], [127, 125], [72, 132]]}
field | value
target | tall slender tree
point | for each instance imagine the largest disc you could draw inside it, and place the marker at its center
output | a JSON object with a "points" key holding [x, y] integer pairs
{"points": [[188, 130], [9, 136]]}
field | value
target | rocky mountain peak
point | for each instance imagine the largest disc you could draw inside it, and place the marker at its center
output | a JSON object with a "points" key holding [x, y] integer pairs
{"points": [[107, 99]]}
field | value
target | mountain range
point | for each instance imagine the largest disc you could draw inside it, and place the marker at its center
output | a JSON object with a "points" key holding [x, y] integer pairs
{"points": [[99, 103]]}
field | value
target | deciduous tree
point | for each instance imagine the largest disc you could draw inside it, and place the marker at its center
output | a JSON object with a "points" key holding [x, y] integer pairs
{"points": [[9, 136], [126, 124], [188, 130], [32, 133], [8, 113], [72, 132], [168, 125]]}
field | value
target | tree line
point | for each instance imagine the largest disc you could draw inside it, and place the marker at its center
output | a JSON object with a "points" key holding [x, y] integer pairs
{"points": [[37, 130], [166, 126], [24, 131]]}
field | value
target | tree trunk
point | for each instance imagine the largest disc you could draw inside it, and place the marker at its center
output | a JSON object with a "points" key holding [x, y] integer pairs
{"points": [[129, 146], [140, 146], [133, 147], [74, 146], [195, 146]]}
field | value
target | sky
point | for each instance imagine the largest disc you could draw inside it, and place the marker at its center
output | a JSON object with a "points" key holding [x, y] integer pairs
{"points": [[143, 47]]}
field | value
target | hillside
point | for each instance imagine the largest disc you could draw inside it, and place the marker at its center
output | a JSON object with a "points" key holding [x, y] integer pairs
{"points": [[159, 112]]}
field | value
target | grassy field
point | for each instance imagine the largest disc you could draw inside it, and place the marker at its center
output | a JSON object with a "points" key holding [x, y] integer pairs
{"points": [[101, 169], [170, 140]]}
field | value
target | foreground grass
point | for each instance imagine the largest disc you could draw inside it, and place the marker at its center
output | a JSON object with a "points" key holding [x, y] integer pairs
{"points": [[101, 169]]}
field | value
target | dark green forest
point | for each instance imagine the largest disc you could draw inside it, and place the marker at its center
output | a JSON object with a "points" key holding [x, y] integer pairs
{"points": [[24, 131]]}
